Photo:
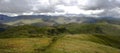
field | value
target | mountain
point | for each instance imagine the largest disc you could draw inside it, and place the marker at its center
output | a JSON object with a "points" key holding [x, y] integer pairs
{"points": [[53, 20], [110, 20], [4, 19], [59, 34], [33, 19]]}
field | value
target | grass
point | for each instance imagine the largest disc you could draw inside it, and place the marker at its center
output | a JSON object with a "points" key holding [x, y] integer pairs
{"points": [[81, 43], [23, 45], [71, 38], [77, 43]]}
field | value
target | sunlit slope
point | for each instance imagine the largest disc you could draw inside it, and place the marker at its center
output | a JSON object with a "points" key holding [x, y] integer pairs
{"points": [[69, 38], [23, 45], [77, 43], [82, 43]]}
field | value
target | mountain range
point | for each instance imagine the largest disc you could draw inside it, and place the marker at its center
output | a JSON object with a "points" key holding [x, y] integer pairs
{"points": [[53, 20]]}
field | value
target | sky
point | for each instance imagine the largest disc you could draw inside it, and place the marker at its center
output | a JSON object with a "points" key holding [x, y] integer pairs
{"points": [[60, 7]]}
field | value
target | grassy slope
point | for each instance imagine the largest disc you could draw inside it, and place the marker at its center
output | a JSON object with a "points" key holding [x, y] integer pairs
{"points": [[23, 45], [85, 38], [81, 43]]}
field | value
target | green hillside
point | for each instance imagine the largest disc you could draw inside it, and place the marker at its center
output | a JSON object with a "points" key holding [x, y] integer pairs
{"points": [[81, 43], [23, 45], [77, 43], [69, 38]]}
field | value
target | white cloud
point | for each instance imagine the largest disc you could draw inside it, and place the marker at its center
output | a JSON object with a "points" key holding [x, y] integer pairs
{"points": [[6, 0], [29, 7]]}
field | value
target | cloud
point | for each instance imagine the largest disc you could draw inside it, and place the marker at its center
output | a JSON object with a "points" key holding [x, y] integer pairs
{"points": [[29, 7], [14, 6]]}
